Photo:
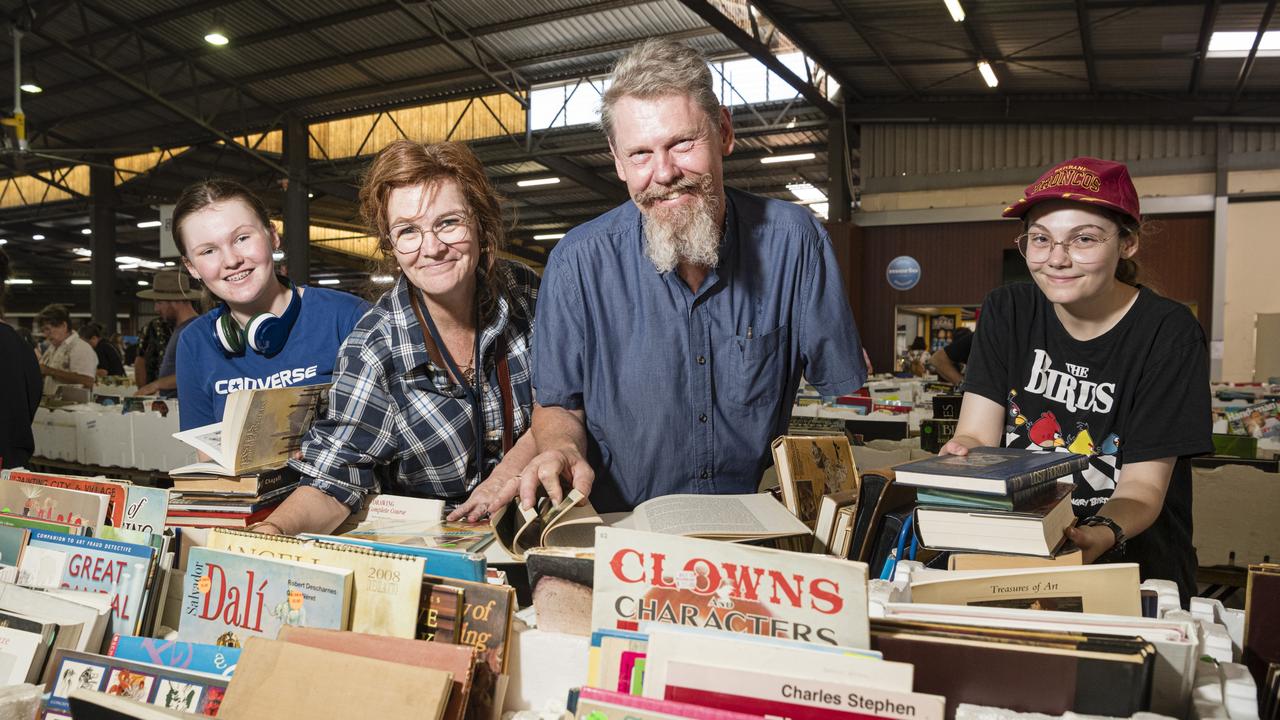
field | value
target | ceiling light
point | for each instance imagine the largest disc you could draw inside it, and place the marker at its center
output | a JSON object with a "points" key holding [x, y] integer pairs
{"points": [[988, 74], [37, 236], [820, 209], [149, 224], [538, 181], [807, 193], [328, 281], [18, 281], [81, 281], [1238, 44], [132, 266], [217, 34], [127, 260], [30, 86], [798, 157], [4, 241], [548, 236], [953, 7], [382, 279], [310, 195], [143, 283], [86, 231], [83, 252], [169, 263], [277, 255], [151, 264]]}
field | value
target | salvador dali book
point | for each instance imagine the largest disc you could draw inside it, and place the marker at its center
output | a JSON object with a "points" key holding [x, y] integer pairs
{"points": [[228, 597]]}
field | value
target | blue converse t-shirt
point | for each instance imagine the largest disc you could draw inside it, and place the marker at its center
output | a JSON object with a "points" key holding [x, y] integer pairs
{"points": [[207, 374]]}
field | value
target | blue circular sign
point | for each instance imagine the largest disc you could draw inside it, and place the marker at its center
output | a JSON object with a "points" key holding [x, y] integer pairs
{"points": [[903, 272]]}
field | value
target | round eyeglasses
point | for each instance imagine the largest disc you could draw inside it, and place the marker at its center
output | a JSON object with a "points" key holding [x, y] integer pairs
{"points": [[449, 229], [1081, 247]]}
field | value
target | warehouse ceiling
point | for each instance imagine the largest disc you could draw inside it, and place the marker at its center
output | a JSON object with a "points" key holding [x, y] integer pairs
{"points": [[121, 78]]}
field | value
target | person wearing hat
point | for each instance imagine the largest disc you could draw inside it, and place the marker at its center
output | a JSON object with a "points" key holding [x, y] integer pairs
{"points": [[172, 292], [1086, 360]]}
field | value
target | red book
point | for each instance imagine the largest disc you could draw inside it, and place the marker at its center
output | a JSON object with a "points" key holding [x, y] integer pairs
{"points": [[192, 518]]}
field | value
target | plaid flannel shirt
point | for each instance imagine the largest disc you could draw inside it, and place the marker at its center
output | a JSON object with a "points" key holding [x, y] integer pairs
{"points": [[391, 407]]}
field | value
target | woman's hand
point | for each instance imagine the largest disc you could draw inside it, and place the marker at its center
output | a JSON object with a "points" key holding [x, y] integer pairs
{"points": [[1093, 540], [960, 445], [487, 498]]}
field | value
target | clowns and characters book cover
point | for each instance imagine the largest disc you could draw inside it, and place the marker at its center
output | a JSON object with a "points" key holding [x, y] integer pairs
{"points": [[228, 597], [648, 577]]}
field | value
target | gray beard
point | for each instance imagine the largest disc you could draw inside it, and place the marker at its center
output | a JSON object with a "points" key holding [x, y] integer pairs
{"points": [[682, 235]]}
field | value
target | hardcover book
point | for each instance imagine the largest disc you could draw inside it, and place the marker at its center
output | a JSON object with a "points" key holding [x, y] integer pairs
{"points": [[440, 613], [12, 541], [187, 692], [259, 429], [989, 470], [385, 587], [22, 653], [547, 525], [1035, 530], [186, 656], [1108, 588], [116, 569], [228, 597], [824, 534], [486, 616], [642, 576], [810, 468], [30, 523], [146, 509], [114, 491], [62, 505]]}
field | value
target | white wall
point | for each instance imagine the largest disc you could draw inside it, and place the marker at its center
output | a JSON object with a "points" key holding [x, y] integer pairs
{"points": [[1253, 273]]}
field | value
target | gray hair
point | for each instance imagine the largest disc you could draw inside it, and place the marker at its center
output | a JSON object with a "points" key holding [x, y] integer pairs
{"points": [[657, 67]]}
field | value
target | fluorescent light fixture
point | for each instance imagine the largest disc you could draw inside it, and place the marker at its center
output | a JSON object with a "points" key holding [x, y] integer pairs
{"points": [[988, 74], [37, 236], [277, 255], [1238, 44], [328, 281], [86, 231], [310, 195], [127, 260], [169, 263], [18, 281], [820, 209], [30, 86], [798, 157], [133, 266], [143, 283], [548, 236], [807, 193], [149, 224], [151, 264], [83, 252], [953, 7], [538, 181], [81, 281], [4, 241], [382, 279]]}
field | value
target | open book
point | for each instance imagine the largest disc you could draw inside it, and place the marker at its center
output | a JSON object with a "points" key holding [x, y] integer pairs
{"points": [[259, 430], [734, 518]]}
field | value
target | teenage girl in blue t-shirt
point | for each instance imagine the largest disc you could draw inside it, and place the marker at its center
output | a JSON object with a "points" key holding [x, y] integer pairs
{"points": [[265, 332]]}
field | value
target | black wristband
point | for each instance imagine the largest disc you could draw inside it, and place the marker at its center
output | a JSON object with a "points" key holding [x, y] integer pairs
{"points": [[1118, 548]]}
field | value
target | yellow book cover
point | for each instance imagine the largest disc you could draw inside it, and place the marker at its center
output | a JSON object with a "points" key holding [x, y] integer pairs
{"points": [[386, 587], [1109, 589]]}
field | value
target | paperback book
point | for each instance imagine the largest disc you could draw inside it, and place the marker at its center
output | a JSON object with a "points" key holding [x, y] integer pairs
{"points": [[187, 656], [1110, 588], [187, 692], [228, 597], [115, 492], [259, 429], [116, 569], [56, 504]]}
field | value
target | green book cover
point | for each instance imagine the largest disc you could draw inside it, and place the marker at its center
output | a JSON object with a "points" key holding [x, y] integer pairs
{"points": [[12, 540]]}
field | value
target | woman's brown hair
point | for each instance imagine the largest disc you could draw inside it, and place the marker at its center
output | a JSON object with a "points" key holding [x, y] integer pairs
{"points": [[404, 163]]}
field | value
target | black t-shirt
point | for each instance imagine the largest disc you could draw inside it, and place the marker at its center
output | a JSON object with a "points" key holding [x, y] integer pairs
{"points": [[20, 388], [1138, 392], [958, 350], [109, 358]]}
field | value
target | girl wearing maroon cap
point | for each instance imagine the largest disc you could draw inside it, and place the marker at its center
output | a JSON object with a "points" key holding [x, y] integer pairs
{"points": [[1086, 360]]}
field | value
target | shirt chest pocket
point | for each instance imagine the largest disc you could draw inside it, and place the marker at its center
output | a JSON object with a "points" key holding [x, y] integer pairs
{"points": [[755, 367]]}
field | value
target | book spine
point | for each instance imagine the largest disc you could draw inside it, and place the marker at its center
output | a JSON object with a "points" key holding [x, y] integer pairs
{"points": [[1028, 481]]}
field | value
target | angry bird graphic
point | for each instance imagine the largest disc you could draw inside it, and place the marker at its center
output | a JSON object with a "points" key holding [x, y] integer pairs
{"points": [[1111, 445], [1016, 418], [1082, 443], [1046, 432]]}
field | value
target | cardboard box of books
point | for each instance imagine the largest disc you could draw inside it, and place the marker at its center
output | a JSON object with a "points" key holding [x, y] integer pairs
{"points": [[55, 434], [104, 437]]}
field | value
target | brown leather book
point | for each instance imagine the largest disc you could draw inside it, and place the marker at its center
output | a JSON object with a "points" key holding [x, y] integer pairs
{"points": [[1262, 620], [1026, 671], [284, 679], [456, 659]]}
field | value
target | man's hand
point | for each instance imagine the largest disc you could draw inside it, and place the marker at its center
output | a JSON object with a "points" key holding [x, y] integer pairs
{"points": [[148, 389], [548, 469], [487, 498]]}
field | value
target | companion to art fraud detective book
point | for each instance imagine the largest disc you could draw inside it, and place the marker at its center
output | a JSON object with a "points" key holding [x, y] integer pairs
{"points": [[228, 597], [643, 576], [259, 429], [116, 569]]}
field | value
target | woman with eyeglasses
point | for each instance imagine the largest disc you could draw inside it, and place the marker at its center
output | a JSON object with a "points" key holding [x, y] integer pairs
{"points": [[432, 394], [265, 332], [1086, 360]]}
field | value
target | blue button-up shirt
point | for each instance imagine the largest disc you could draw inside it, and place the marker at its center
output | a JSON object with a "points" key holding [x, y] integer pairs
{"points": [[683, 391]]}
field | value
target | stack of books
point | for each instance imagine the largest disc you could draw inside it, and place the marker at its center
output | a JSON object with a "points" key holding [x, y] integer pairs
{"points": [[998, 500], [234, 502]]}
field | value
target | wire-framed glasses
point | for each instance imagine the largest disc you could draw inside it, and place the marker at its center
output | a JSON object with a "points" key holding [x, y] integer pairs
{"points": [[1082, 247], [449, 229]]}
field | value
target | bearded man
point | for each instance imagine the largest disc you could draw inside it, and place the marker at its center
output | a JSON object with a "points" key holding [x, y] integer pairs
{"points": [[671, 333]]}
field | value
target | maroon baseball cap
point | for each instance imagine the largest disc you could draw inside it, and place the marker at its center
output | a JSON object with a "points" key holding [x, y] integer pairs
{"points": [[1086, 180]]}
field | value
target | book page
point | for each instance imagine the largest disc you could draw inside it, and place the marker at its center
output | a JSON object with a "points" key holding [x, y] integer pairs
{"points": [[274, 422], [207, 439], [753, 514]]}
